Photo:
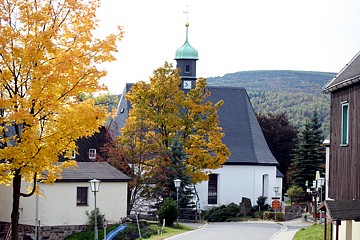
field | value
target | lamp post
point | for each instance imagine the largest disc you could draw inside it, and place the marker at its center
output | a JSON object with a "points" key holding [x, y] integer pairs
{"points": [[276, 203], [94, 185], [177, 183], [276, 190]]}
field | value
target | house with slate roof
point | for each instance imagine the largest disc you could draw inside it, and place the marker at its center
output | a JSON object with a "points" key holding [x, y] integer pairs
{"points": [[343, 163], [61, 210], [251, 169]]}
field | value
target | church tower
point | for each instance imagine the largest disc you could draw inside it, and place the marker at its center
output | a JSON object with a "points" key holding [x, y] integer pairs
{"points": [[186, 57]]}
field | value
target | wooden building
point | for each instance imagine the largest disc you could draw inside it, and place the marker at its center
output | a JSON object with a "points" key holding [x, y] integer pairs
{"points": [[344, 159]]}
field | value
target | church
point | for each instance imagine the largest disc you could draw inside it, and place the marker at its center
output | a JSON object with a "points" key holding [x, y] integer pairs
{"points": [[250, 171]]}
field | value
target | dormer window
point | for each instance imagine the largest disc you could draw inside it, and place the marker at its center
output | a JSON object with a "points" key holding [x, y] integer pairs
{"points": [[73, 155], [92, 153]]}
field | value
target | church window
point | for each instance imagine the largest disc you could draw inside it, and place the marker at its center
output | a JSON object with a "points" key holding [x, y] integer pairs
{"points": [[213, 189], [187, 68]]}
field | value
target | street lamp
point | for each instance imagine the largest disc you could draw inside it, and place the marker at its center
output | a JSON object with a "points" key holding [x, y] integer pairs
{"points": [[95, 185], [177, 183], [276, 190], [276, 203]]}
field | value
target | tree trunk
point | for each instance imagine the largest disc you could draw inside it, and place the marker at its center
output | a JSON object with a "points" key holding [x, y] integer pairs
{"points": [[15, 206]]}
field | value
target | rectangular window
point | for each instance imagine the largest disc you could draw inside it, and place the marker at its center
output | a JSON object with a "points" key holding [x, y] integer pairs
{"points": [[73, 155], [187, 68], [344, 123], [92, 153], [212, 189], [82, 196]]}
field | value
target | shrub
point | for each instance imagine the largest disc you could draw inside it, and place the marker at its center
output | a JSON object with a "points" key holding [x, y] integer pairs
{"points": [[222, 213], [295, 193], [99, 217], [169, 211], [261, 203]]}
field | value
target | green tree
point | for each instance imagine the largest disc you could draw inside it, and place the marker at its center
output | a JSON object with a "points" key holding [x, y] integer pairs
{"points": [[178, 168], [309, 155], [163, 114], [281, 137], [295, 193]]}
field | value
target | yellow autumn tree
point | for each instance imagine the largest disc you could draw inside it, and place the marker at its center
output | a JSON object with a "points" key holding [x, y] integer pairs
{"points": [[48, 56], [162, 116]]}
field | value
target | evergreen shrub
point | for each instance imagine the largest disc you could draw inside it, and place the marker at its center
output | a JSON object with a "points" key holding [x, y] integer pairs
{"points": [[168, 211]]}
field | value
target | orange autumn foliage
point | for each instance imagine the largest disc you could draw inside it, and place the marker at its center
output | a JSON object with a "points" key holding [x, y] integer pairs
{"points": [[48, 56]]}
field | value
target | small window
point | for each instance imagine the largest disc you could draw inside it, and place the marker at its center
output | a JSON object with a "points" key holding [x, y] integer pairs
{"points": [[92, 153], [82, 196], [187, 68], [213, 189], [73, 155], [344, 123]]}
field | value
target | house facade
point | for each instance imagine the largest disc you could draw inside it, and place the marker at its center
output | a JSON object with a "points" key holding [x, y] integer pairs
{"points": [[343, 168], [61, 208]]}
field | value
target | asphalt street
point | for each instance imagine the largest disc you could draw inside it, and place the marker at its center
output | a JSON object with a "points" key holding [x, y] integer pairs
{"points": [[232, 231]]}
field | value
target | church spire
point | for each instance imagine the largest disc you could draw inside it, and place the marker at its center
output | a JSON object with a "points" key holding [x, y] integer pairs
{"points": [[186, 57]]}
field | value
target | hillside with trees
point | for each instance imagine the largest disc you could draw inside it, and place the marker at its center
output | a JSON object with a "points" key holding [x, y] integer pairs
{"points": [[298, 93]]}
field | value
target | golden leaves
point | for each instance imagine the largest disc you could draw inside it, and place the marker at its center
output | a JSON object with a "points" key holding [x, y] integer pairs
{"points": [[162, 114], [48, 56]]}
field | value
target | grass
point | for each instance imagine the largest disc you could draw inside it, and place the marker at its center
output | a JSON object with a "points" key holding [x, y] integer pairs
{"points": [[315, 232], [131, 232], [171, 231]]}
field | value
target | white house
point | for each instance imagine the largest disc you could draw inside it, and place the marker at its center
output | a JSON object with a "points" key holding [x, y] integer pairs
{"points": [[61, 210]]}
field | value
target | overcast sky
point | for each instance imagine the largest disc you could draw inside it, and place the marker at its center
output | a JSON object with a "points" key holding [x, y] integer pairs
{"points": [[231, 35]]}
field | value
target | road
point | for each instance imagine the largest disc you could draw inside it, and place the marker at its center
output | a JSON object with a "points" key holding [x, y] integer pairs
{"points": [[232, 231]]}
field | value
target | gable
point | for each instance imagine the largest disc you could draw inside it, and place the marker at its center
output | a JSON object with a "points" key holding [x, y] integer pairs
{"points": [[348, 76]]}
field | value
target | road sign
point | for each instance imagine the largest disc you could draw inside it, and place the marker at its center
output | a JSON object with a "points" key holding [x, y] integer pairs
{"points": [[275, 205]]}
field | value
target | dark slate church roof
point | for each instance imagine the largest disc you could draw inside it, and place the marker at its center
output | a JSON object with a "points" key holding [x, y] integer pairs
{"points": [[349, 75], [243, 135], [122, 113]]}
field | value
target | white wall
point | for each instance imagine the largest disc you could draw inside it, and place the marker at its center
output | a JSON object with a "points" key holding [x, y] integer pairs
{"points": [[237, 181], [58, 206], [279, 183], [348, 230]]}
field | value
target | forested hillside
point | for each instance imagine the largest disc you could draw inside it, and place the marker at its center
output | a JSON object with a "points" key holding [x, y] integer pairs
{"points": [[296, 92]]}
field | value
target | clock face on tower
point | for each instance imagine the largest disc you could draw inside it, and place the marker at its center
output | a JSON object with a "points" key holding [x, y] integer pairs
{"points": [[187, 85]]}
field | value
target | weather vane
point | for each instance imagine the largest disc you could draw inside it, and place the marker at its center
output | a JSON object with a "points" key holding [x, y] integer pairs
{"points": [[187, 12]]}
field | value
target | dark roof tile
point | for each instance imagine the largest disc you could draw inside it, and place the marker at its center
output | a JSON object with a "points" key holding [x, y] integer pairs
{"points": [[342, 209], [86, 171], [349, 75]]}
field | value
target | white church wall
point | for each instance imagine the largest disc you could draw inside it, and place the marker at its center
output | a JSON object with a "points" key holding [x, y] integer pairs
{"points": [[237, 181], [279, 183]]}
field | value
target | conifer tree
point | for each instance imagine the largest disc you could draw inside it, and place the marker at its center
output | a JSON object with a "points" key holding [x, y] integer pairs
{"points": [[309, 154]]}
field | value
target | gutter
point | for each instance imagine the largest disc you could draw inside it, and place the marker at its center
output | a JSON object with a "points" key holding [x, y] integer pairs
{"points": [[343, 84]]}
